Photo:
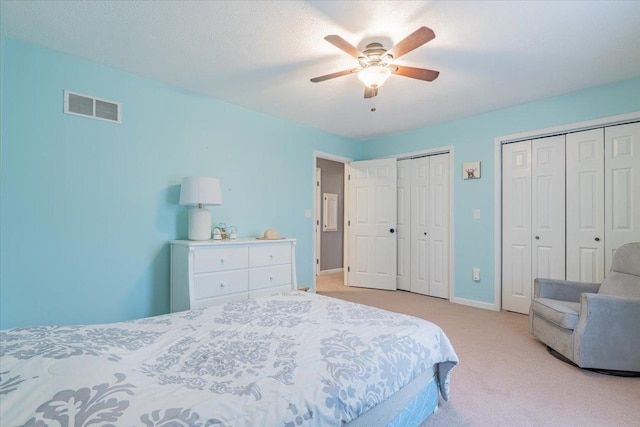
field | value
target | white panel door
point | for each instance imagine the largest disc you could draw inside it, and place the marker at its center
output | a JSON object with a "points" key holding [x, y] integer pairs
{"points": [[548, 212], [439, 226], [372, 218], [404, 225], [585, 206], [420, 217], [622, 188], [516, 226]]}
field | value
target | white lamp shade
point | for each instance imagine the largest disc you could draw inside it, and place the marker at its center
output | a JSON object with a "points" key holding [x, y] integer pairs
{"points": [[374, 76], [200, 190]]}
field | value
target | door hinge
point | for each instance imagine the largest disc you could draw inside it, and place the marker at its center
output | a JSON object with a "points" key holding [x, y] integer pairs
{"points": [[349, 177], [317, 183], [348, 269], [349, 223], [317, 261]]}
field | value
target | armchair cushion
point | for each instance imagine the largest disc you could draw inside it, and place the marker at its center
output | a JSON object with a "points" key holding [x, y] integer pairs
{"points": [[562, 313], [621, 285], [624, 278], [625, 259], [562, 289]]}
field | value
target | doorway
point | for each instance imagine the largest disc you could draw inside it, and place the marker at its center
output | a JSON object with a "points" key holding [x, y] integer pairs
{"points": [[328, 226]]}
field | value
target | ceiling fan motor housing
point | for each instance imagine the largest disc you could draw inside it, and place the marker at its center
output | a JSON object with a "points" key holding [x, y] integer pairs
{"points": [[375, 54]]}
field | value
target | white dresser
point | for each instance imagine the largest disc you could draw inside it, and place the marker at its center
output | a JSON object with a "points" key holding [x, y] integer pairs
{"points": [[211, 272]]}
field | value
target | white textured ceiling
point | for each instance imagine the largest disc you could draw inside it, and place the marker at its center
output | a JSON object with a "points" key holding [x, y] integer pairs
{"points": [[261, 54]]}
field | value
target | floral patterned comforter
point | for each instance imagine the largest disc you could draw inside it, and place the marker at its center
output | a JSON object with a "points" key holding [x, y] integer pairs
{"points": [[292, 359]]}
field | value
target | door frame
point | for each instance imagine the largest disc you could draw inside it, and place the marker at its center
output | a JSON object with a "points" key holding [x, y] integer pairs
{"points": [[336, 158], [523, 136], [317, 218], [420, 153]]}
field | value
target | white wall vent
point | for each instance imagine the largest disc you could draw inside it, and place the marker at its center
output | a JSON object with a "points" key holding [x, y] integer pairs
{"points": [[91, 107]]}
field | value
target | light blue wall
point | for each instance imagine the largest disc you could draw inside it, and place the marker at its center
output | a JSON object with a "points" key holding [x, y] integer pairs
{"points": [[87, 207], [473, 138]]}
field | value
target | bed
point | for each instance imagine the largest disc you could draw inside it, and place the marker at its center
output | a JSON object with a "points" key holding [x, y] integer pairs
{"points": [[294, 359]]}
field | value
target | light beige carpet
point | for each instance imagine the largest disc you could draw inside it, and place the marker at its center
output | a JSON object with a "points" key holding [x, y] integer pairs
{"points": [[505, 376]]}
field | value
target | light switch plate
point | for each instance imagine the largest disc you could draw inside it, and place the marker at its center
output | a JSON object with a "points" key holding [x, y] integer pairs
{"points": [[476, 214], [476, 274]]}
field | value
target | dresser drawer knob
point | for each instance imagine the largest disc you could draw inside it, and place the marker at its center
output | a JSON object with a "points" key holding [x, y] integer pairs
{"points": [[270, 277], [221, 285], [221, 260]]}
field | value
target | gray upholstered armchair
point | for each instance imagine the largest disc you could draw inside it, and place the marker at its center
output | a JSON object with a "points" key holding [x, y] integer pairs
{"points": [[593, 325]]}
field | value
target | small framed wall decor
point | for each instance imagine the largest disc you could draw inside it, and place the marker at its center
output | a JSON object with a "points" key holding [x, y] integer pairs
{"points": [[471, 170]]}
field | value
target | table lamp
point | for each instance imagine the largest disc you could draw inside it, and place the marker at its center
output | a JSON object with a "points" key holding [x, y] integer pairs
{"points": [[196, 192]]}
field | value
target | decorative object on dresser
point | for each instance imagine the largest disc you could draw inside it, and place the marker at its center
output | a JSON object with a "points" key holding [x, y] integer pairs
{"points": [[199, 191], [270, 234], [215, 272]]}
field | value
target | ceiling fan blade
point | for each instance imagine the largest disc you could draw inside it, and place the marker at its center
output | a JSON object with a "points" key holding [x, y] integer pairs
{"points": [[343, 45], [370, 92], [414, 73], [334, 75], [412, 41]]}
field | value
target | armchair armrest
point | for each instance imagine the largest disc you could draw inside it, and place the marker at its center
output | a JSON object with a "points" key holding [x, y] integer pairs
{"points": [[563, 290], [607, 334]]}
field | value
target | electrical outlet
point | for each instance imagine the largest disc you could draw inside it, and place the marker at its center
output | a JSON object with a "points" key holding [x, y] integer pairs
{"points": [[476, 274]]}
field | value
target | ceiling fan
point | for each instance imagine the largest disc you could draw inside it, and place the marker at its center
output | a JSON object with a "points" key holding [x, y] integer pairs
{"points": [[375, 61]]}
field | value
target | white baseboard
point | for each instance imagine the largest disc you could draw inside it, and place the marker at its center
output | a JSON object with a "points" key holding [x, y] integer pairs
{"points": [[477, 304], [335, 270]]}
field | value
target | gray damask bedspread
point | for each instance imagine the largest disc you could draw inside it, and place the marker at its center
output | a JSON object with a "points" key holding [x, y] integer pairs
{"points": [[293, 359]]}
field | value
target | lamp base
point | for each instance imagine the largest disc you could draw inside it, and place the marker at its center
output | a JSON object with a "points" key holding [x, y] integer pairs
{"points": [[199, 224]]}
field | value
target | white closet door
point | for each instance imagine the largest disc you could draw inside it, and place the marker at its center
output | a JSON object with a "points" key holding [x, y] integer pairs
{"points": [[548, 212], [373, 218], [622, 188], [585, 207], [404, 225], [439, 226], [516, 227], [420, 257]]}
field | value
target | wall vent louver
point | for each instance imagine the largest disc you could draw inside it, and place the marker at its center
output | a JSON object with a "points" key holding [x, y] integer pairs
{"points": [[91, 107]]}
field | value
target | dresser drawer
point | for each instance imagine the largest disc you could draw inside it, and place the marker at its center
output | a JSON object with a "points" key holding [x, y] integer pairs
{"points": [[271, 254], [220, 259], [220, 284], [266, 277]]}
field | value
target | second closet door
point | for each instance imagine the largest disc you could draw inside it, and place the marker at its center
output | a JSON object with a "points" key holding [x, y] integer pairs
{"points": [[603, 198], [585, 206], [533, 215], [429, 230]]}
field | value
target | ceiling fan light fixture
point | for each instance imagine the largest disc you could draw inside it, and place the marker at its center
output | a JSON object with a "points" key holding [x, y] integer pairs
{"points": [[374, 76]]}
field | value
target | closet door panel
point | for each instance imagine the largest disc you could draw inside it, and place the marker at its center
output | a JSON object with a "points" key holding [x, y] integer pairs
{"points": [[439, 226], [585, 207], [404, 225], [420, 217], [622, 188], [516, 226], [548, 214]]}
